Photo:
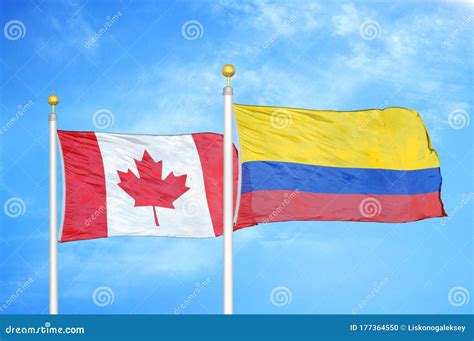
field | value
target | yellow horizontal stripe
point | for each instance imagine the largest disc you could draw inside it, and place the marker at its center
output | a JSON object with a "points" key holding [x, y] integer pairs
{"points": [[392, 138]]}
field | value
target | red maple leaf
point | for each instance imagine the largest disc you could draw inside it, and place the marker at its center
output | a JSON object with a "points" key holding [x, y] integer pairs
{"points": [[150, 189]]}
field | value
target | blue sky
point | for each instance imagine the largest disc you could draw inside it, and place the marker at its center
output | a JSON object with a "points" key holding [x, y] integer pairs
{"points": [[154, 67]]}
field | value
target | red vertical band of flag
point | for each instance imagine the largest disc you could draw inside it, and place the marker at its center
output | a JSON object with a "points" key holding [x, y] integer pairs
{"points": [[85, 214], [211, 153]]}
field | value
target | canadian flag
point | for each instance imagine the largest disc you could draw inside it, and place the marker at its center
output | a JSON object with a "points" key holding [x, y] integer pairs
{"points": [[142, 185]]}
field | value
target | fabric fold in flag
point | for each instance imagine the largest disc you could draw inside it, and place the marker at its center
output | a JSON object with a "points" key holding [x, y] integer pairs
{"points": [[142, 185], [369, 165]]}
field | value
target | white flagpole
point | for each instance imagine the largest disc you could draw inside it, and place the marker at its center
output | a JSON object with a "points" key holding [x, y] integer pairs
{"points": [[228, 71], [53, 100]]}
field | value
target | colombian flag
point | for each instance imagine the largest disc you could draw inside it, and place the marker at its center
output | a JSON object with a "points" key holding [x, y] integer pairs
{"points": [[369, 165]]}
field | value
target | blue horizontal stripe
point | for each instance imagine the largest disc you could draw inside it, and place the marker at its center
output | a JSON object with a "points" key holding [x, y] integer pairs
{"points": [[271, 175]]}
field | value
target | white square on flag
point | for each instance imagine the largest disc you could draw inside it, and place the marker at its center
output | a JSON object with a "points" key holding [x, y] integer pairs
{"points": [[179, 155]]}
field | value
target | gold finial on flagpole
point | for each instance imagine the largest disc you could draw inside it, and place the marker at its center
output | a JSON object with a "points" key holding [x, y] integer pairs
{"points": [[53, 100], [228, 71]]}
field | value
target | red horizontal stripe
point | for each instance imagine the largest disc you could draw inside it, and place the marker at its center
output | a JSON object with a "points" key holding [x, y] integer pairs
{"points": [[85, 215], [281, 205]]}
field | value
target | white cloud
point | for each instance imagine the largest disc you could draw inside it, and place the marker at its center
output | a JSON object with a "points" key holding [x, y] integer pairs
{"points": [[166, 110], [287, 18], [347, 22]]}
